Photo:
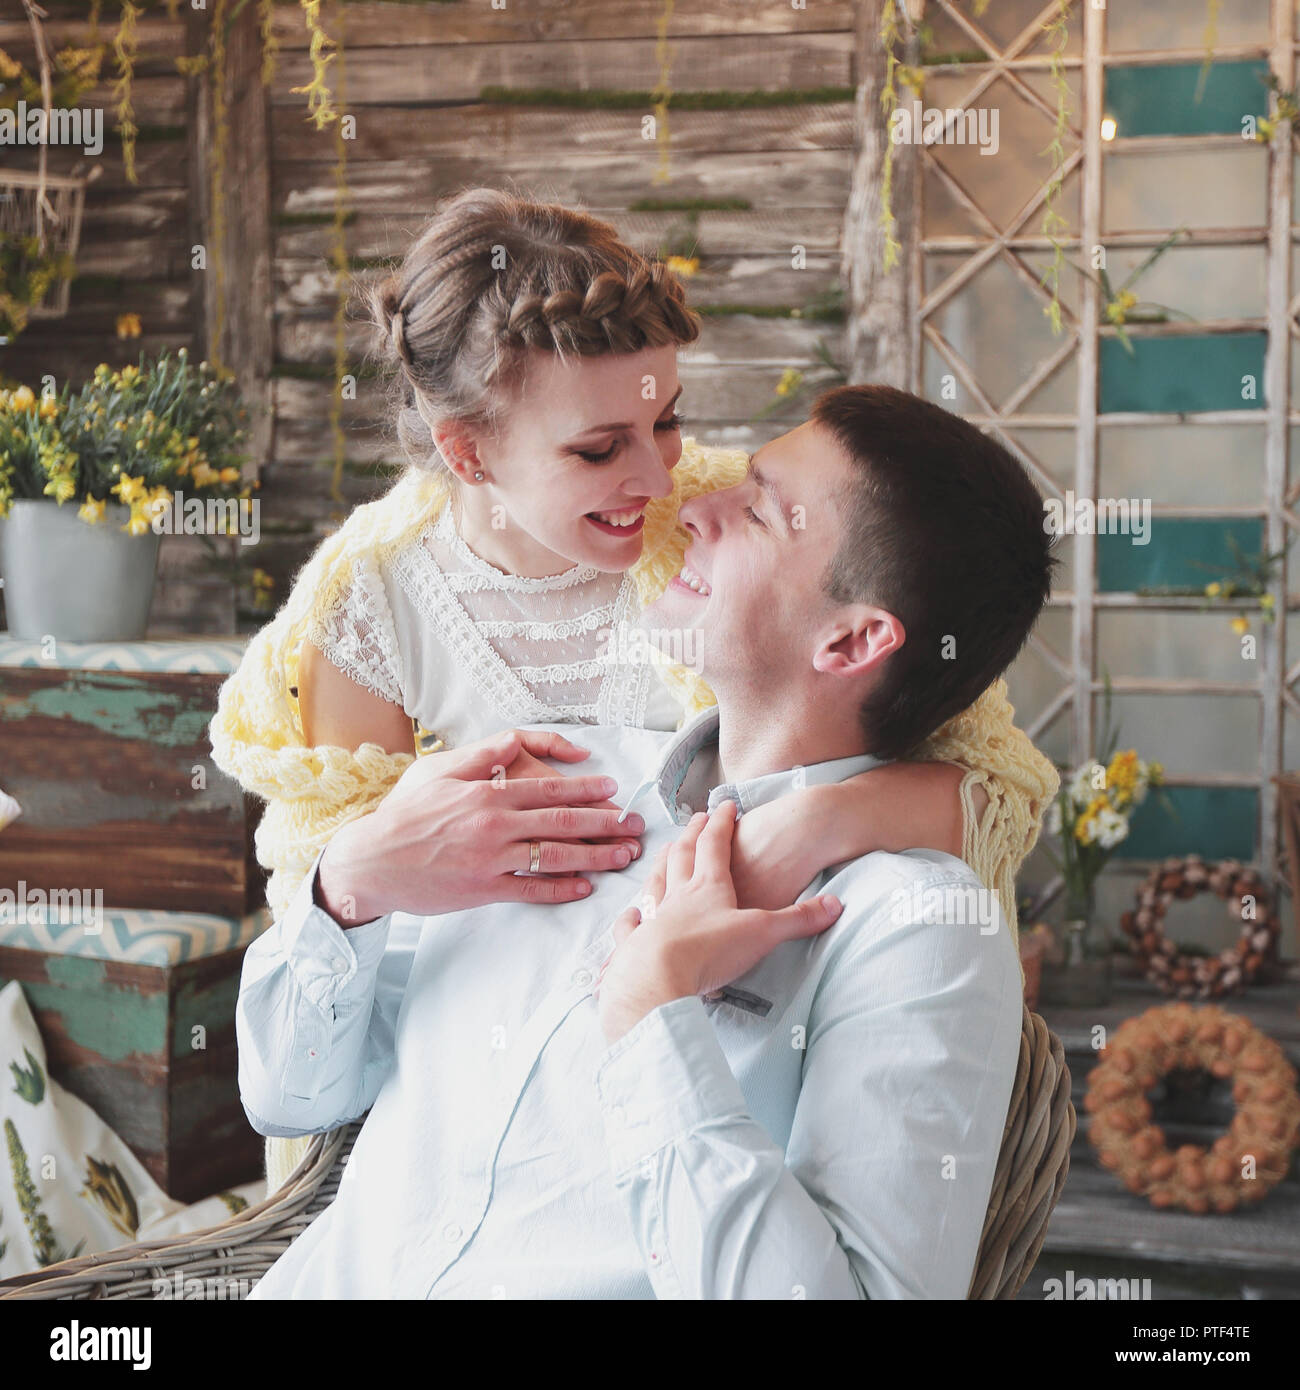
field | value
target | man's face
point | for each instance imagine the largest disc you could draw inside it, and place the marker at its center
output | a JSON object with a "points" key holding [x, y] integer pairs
{"points": [[751, 581]]}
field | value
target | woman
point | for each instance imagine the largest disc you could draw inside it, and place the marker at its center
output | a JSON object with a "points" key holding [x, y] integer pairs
{"points": [[496, 583]]}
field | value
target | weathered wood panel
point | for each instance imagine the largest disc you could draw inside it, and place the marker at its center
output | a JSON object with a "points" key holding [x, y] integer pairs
{"points": [[159, 163], [104, 764], [471, 21], [765, 232], [434, 73], [118, 1036], [816, 179], [398, 133]]}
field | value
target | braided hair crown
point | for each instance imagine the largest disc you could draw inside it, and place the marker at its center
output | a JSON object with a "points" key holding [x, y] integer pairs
{"points": [[494, 275]]}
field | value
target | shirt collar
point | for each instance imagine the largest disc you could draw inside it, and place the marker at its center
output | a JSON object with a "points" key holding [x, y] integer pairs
{"points": [[688, 756]]}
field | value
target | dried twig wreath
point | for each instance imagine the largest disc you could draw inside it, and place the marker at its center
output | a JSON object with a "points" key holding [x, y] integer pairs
{"points": [[1243, 1164], [1250, 903]]}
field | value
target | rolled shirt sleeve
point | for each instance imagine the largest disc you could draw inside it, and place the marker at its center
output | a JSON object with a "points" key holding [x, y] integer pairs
{"points": [[315, 1017], [911, 1052]]}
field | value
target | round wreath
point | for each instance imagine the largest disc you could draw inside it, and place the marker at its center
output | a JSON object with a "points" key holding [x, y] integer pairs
{"points": [[1265, 1128], [1201, 977]]}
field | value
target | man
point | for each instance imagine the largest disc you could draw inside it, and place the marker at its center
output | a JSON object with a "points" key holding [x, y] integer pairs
{"points": [[682, 1099]]}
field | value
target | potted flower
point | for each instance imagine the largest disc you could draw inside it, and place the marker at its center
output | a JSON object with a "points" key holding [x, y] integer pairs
{"points": [[1091, 817], [83, 476]]}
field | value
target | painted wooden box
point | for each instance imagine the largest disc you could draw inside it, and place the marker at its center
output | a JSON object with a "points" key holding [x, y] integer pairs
{"points": [[105, 748], [137, 1012]]}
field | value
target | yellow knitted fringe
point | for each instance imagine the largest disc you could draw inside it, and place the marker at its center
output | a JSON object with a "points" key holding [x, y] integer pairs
{"points": [[257, 735]]}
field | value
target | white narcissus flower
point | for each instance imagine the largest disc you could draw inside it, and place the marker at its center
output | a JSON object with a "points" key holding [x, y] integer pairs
{"points": [[1082, 789], [1111, 828], [1054, 818], [10, 810]]}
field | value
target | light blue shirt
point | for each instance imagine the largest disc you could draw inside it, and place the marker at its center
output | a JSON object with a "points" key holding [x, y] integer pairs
{"points": [[828, 1128]]}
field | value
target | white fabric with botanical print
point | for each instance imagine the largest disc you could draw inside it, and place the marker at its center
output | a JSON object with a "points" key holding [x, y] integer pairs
{"points": [[467, 649], [69, 1185]]}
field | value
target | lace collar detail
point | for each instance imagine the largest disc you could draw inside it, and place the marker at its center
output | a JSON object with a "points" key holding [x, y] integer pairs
{"points": [[444, 531]]}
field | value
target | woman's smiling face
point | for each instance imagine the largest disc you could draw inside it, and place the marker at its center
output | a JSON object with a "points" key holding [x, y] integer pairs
{"points": [[586, 443]]}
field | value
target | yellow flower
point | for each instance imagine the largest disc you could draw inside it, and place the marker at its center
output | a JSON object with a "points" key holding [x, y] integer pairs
{"points": [[130, 489], [204, 475], [48, 408], [128, 325], [139, 523], [128, 374], [1213, 590], [685, 266], [1085, 829], [1241, 625], [229, 475], [1122, 776], [790, 381], [23, 398], [92, 510], [62, 488]]}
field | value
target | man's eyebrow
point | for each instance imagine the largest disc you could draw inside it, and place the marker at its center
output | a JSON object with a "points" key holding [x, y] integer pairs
{"points": [[623, 424], [773, 493]]}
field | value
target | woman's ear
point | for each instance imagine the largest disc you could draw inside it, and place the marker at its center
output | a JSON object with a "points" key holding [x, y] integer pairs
{"points": [[858, 641], [457, 444]]}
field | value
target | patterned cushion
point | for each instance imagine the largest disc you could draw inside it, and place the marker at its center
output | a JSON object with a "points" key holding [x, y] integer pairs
{"points": [[74, 1187], [137, 935], [215, 655]]}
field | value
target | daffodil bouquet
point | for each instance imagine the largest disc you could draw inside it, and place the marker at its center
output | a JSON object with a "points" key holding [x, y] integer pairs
{"points": [[133, 436], [1093, 811]]}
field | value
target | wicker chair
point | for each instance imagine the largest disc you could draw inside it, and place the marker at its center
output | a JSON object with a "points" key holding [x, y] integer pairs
{"points": [[1031, 1170]]}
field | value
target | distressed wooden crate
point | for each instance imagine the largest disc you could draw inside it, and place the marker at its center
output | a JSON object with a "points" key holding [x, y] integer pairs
{"points": [[105, 747], [138, 1020]]}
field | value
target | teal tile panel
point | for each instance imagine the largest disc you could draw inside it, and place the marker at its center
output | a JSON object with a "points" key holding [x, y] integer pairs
{"points": [[1215, 822], [1183, 374], [1170, 557], [1161, 100]]}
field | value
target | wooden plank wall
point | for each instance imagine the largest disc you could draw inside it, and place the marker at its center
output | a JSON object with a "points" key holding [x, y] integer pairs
{"points": [[766, 177], [134, 256]]}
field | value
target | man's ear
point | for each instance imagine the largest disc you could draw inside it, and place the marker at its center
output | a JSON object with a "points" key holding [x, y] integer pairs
{"points": [[858, 640]]}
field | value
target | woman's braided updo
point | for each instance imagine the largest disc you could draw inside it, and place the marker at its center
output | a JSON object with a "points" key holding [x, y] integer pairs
{"points": [[494, 275]]}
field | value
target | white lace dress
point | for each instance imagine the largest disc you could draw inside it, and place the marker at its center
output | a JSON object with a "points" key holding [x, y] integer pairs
{"points": [[467, 650]]}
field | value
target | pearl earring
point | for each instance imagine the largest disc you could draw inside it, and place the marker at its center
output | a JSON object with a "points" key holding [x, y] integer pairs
{"points": [[478, 477]]}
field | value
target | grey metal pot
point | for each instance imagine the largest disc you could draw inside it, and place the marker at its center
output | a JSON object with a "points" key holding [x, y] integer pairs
{"points": [[74, 581]]}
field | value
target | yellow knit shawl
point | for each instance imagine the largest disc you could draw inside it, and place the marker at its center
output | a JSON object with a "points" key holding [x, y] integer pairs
{"points": [[257, 735]]}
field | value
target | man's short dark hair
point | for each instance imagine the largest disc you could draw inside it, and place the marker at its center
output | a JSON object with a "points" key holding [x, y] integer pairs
{"points": [[943, 528]]}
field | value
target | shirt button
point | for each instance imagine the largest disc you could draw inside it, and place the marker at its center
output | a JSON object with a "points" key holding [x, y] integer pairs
{"points": [[451, 1232], [582, 977]]}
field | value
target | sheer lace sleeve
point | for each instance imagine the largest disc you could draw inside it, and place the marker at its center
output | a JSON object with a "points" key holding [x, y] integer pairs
{"points": [[356, 634]]}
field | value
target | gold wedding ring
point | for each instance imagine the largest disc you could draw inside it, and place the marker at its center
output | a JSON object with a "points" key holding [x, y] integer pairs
{"points": [[534, 856]]}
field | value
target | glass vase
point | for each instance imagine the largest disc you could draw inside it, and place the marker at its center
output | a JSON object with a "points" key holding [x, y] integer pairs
{"points": [[1084, 977]]}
